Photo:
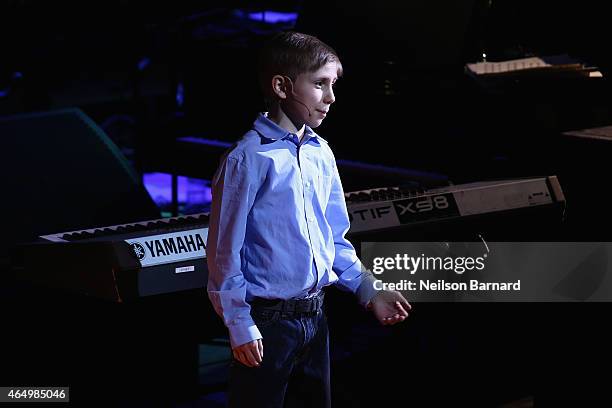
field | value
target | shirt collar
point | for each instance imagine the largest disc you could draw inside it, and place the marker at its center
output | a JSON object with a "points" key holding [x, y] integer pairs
{"points": [[270, 130]]}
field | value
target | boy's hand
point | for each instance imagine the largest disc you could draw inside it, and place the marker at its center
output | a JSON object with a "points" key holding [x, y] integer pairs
{"points": [[389, 307], [249, 354]]}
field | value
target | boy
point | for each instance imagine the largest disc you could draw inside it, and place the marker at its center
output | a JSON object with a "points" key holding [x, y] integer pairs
{"points": [[276, 235]]}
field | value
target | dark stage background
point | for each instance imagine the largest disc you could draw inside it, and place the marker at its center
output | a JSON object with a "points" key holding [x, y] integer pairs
{"points": [[163, 80]]}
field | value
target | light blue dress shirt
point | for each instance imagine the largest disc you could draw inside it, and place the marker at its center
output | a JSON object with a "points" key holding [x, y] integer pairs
{"points": [[277, 226]]}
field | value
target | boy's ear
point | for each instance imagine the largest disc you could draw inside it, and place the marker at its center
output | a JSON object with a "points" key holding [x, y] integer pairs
{"points": [[279, 86]]}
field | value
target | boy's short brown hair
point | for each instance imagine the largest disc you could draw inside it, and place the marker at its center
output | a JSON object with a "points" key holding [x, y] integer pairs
{"points": [[291, 53]]}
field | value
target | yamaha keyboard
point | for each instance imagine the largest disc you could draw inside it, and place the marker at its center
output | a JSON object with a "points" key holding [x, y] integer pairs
{"points": [[124, 261], [127, 292], [392, 209]]}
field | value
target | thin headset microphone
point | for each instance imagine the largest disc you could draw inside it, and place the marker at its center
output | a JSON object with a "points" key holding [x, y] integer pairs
{"points": [[296, 99]]}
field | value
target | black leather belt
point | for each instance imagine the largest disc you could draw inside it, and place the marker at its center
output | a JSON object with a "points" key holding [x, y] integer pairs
{"points": [[309, 305]]}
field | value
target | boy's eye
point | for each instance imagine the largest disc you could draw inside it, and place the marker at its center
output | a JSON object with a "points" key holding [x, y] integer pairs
{"points": [[319, 83]]}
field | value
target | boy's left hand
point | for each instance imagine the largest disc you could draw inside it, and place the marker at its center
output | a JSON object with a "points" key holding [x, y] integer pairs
{"points": [[389, 307]]}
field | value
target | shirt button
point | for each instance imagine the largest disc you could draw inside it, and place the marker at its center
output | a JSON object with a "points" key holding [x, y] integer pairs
{"points": [[307, 184]]}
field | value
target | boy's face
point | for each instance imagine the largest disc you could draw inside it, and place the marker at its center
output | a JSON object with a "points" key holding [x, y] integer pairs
{"points": [[312, 96]]}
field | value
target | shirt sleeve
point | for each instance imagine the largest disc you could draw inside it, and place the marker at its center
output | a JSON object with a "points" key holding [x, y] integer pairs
{"points": [[352, 275], [233, 194]]}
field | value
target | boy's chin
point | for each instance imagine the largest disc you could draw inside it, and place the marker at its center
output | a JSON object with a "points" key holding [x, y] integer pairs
{"points": [[314, 123]]}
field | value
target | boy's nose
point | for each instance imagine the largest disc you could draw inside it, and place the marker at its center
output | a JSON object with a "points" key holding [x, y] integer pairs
{"points": [[329, 97]]}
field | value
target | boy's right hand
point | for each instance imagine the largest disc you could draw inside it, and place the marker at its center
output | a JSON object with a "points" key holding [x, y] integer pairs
{"points": [[249, 354]]}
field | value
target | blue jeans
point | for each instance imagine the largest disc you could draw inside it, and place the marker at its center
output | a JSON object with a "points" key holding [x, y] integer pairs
{"points": [[295, 367]]}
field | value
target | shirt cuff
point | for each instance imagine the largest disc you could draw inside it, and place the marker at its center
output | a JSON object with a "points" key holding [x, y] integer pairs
{"points": [[242, 334], [359, 281], [367, 290]]}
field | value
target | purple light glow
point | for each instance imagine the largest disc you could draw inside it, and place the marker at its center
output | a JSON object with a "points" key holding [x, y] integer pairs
{"points": [[273, 17], [194, 195]]}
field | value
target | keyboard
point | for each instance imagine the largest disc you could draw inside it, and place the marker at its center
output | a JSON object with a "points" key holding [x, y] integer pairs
{"points": [[123, 261], [394, 207]]}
